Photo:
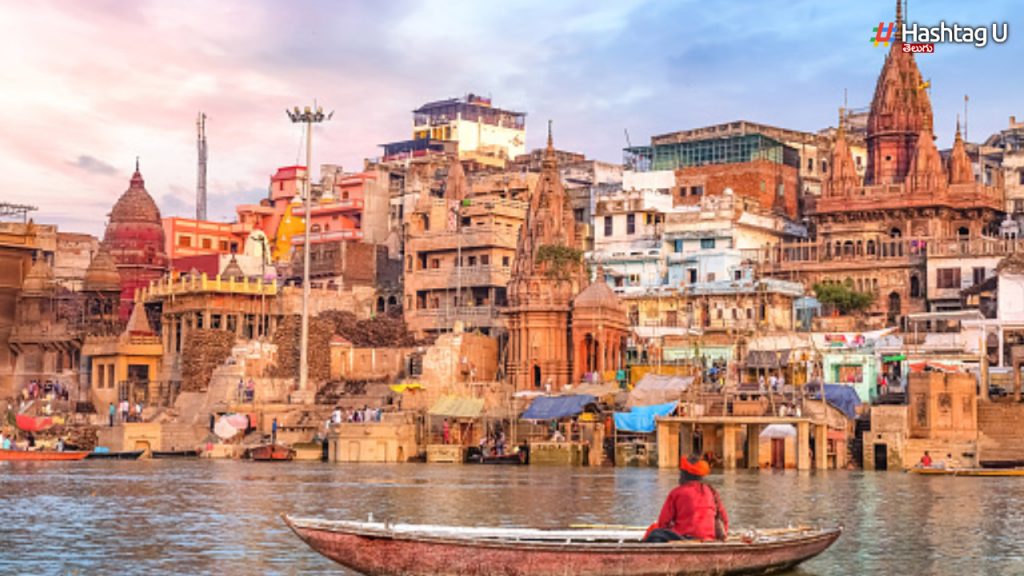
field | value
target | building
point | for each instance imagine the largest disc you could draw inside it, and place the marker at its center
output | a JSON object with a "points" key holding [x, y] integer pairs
{"points": [[71, 258], [875, 233], [599, 332], [460, 246], [484, 134], [1006, 149], [124, 366], [135, 238], [189, 237]]}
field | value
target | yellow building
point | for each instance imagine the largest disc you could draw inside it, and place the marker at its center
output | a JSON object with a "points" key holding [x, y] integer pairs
{"points": [[124, 367]]}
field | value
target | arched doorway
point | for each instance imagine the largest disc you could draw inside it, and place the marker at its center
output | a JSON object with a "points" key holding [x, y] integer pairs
{"points": [[895, 233], [894, 308], [915, 287], [536, 376]]}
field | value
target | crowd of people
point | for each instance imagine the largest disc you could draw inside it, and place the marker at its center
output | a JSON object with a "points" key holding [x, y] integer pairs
{"points": [[128, 411]]}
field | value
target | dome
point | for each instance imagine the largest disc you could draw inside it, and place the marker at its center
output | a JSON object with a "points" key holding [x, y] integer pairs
{"points": [[39, 278], [233, 270], [597, 295], [135, 205], [102, 276]]}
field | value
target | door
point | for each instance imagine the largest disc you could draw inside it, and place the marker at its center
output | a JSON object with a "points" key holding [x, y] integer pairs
{"points": [[881, 456], [778, 453]]}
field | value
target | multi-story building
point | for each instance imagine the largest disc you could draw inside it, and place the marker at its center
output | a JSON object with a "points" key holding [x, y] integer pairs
{"points": [[186, 237], [482, 133], [459, 250]]}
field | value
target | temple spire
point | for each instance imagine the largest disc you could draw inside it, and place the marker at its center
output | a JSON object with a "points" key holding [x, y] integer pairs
{"points": [[960, 171], [899, 22], [136, 164]]}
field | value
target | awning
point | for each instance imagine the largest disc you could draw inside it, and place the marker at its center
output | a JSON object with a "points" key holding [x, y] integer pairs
{"points": [[641, 418], [657, 389], [842, 396], [778, 431], [767, 359], [32, 424], [457, 407], [556, 407], [402, 388]]}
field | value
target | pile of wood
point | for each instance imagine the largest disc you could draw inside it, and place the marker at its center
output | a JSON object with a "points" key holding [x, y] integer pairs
{"points": [[203, 352], [379, 332], [287, 339], [82, 437]]}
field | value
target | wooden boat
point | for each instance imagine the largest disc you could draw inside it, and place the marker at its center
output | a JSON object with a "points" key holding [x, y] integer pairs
{"points": [[40, 455], [969, 472], [128, 455], [175, 454], [272, 453], [379, 549]]}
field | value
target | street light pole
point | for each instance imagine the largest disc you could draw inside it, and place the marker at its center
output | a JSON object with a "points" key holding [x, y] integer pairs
{"points": [[308, 116]]}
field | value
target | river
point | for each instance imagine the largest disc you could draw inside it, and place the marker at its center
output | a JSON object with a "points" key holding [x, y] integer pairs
{"points": [[222, 517]]}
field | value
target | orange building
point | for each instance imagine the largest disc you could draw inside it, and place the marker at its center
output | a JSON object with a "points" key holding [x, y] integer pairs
{"points": [[774, 185], [187, 237]]}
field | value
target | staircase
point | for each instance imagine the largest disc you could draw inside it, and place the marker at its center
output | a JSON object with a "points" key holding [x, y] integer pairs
{"points": [[1000, 435], [863, 426]]}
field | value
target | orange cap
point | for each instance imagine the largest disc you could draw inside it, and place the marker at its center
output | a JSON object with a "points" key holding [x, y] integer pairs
{"points": [[695, 466]]}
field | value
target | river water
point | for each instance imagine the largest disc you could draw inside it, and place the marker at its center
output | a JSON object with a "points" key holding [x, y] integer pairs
{"points": [[222, 517]]}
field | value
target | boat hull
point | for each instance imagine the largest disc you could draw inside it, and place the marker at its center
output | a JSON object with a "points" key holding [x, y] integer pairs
{"points": [[41, 456], [175, 454], [376, 553], [130, 455], [272, 453], [969, 472]]}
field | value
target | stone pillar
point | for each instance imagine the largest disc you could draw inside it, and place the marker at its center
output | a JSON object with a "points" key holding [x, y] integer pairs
{"points": [[803, 445], [821, 447], [685, 441], [668, 443], [729, 446], [753, 445]]}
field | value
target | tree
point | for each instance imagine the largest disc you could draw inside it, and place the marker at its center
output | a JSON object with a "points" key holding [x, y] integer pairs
{"points": [[843, 297], [561, 261]]}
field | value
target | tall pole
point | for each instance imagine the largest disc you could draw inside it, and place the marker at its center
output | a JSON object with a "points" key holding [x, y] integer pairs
{"points": [[201, 173], [309, 116]]}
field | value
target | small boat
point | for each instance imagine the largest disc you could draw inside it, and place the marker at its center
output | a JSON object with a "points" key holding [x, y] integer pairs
{"points": [[986, 472], [128, 455], [379, 549], [40, 455], [175, 454], [272, 453]]}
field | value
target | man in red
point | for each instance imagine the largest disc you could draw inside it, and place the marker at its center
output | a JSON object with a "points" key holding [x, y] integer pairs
{"points": [[692, 509]]}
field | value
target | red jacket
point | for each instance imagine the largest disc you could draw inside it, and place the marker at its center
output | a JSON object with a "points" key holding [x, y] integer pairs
{"points": [[690, 510]]}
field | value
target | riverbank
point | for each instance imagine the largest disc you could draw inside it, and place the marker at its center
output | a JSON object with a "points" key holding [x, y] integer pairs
{"points": [[222, 516]]}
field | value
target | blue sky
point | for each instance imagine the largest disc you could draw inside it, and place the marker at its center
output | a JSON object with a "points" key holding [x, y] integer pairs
{"points": [[90, 85]]}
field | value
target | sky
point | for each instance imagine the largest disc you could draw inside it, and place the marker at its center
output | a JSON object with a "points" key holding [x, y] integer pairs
{"points": [[88, 85]]}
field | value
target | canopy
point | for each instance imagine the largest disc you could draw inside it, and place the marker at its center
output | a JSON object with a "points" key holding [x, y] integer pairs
{"points": [[401, 388], [596, 390], [224, 430], [657, 389], [239, 421], [778, 431], [556, 407], [843, 397], [32, 424], [641, 418], [457, 407]]}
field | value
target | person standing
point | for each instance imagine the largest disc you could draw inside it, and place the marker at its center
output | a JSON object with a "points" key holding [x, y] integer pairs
{"points": [[273, 432], [110, 410], [124, 411], [446, 431]]}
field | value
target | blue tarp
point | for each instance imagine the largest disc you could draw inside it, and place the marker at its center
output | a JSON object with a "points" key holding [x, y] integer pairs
{"points": [[641, 418], [843, 397], [556, 407]]}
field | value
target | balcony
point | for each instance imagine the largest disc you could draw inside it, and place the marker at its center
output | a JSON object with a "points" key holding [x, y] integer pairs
{"points": [[475, 237], [983, 246], [467, 277], [444, 318], [189, 284]]}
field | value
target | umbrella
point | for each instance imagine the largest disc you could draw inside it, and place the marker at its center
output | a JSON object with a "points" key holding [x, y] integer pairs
{"points": [[33, 424], [778, 431], [224, 430]]}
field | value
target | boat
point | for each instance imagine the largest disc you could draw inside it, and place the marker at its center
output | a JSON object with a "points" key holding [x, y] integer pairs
{"points": [[522, 457], [128, 455], [381, 549], [175, 454], [969, 472], [272, 453], [40, 455]]}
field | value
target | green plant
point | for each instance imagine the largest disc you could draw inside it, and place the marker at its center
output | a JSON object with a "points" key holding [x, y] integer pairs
{"points": [[559, 261], [843, 297]]}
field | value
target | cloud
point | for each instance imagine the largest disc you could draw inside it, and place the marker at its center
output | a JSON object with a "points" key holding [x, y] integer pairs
{"points": [[94, 165]]}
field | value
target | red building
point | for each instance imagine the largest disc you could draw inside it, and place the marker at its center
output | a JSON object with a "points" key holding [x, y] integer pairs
{"points": [[135, 239]]}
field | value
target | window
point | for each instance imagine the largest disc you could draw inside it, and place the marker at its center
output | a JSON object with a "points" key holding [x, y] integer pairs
{"points": [[810, 164], [824, 166], [223, 245], [505, 261], [184, 241], [671, 318], [781, 190], [1020, 175], [737, 275], [579, 215], [691, 275], [607, 225], [1018, 205], [472, 261], [707, 243], [207, 244], [435, 263], [948, 277], [634, 279], [485, 260], [678, 246], [234, 247], [697, 191], [630, 223], [978, 275], [858, 160]]}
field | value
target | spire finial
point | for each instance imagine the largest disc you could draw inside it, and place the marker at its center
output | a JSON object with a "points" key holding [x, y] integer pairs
{"points": [[136, 163], [958, 126], [551, 144], [899, 21]]}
